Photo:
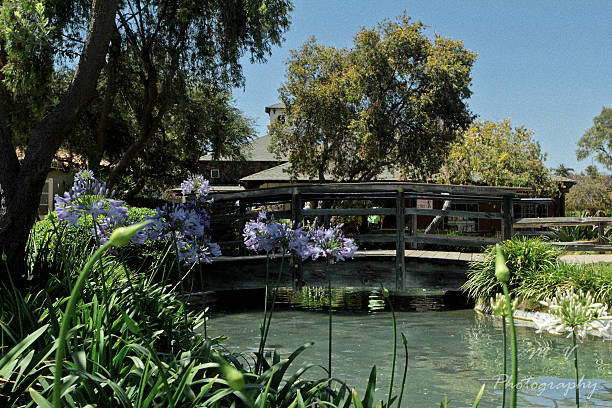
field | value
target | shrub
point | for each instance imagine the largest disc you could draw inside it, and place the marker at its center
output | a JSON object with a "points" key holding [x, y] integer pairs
{"points": [[536, 273], [593, 278], [525, 257]]}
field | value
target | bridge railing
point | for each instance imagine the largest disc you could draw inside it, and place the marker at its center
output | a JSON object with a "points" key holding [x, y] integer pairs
{"points": [[599, 244], [400, 203]]}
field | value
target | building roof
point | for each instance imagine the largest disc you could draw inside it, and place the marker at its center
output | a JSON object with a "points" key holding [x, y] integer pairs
{"points": [[280, 173], [279, 105], [255, 150]]}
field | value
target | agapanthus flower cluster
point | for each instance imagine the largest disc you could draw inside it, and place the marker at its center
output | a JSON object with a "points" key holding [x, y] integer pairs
{"points": [[274, 237], [186, 224], [331, 244], [196, 185], [577, 313], [89, 197], [270, 236]]}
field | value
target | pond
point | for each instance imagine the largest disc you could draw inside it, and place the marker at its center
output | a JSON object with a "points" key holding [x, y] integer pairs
{"points": [[451, 353]]}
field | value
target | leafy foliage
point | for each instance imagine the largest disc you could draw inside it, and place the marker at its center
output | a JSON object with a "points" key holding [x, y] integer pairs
{"points": [[591, 193], [395, 100], [597, 141], [524, 257], [496, 154], [536, 273]]}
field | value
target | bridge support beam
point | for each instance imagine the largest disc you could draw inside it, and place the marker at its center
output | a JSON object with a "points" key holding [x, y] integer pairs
{"points": [[296, 218], [400, 246], [507, 218]]}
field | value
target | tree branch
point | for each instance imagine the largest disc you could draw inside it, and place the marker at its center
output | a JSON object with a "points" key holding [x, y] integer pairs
{"points": [[49, 133]]}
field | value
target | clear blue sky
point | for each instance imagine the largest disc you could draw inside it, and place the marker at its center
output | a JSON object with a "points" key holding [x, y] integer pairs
{"points": [[545, 64]]}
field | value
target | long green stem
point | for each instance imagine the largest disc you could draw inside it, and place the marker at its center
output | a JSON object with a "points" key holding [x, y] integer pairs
{"points": [[513, 347], [576, 369], [394, 352], [75, 295], [262, 326], [503, 404], [399, 403], [329, 340], [269, 320]]}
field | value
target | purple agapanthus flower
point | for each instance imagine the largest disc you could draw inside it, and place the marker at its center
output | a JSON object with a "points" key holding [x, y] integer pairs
{"points": [[186, 224], [89, 197], [273, 237], [331, 244], [196, 185]]}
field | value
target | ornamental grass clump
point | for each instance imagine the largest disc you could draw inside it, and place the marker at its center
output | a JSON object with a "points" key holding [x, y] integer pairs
{"points": [[575, 313], [526, 259]]}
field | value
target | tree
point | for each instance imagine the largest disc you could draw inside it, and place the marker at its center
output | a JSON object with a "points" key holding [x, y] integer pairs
{"points": [[174, 44], [591, 193], [203, 121], [21, 182], [496, 154], [563, 171], [395, 100], [597, 141], [591, 171]]}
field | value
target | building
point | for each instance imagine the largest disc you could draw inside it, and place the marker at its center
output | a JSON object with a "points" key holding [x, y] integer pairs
{"points": [[225, 174]]}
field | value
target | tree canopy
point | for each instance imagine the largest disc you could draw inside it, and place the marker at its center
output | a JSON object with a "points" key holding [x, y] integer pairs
{"points": [[496, 154], [563, 171], [52, 53], [592, 193], [597, 141], [395, 100]]}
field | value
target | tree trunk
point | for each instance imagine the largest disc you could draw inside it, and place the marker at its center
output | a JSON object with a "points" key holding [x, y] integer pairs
{"points": [[436, 221], [21, 184], [109, 99]]}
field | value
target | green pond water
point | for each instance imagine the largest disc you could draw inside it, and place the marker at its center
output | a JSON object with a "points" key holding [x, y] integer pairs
{"points": [[451, 353]]}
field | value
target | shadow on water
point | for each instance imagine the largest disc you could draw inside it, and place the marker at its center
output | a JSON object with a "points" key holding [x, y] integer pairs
{"points": [[352, 300]]}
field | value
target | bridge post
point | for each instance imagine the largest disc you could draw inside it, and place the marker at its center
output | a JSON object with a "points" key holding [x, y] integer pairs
{"points": [[507, 218], [241, 224], [400, 244], [296, 218], [412, 227]]}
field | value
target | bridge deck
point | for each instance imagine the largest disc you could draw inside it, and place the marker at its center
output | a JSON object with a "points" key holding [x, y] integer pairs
{"points": [[437, 255], [370, 268]]}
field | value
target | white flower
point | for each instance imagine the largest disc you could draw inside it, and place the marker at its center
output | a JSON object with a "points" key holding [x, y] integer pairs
{"points": [[574, 313]]}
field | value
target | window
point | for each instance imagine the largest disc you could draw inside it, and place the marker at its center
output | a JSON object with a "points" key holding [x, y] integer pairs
{"points": [[214, 173], [530, 210]]}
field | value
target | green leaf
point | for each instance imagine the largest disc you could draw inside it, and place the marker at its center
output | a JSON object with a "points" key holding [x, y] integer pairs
{"points": [[479, 396], [368, 399], [39, 399]]}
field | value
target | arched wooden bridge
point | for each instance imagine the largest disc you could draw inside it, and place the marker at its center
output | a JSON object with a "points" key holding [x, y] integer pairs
{"points": [[489, 212]]}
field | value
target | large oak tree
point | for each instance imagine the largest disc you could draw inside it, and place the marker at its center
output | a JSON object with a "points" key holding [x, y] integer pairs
{"points": [[395, 100]]}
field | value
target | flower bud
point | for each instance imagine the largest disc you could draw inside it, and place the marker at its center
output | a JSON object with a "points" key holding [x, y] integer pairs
{"points": [[4, 257], [122, 235], [385, 292], [502, 273]]}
